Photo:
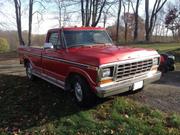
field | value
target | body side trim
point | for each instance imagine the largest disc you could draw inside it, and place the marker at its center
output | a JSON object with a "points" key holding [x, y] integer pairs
{"points": [[51, 80], [62, 60]]}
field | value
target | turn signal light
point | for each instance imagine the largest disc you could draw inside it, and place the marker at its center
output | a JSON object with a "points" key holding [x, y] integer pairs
{"points": [[105, 81], [154, 68]]}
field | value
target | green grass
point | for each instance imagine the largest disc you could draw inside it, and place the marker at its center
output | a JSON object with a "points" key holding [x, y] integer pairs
{"points": [[168, 47], [172, 48], [40, 108]]}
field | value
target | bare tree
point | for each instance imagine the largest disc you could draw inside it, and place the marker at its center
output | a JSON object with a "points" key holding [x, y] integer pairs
{"points": [[172, 21], [151, 18], [17, 4], [126, 17], [60, 5], [31, 13], [107, 11], [91, 11]]}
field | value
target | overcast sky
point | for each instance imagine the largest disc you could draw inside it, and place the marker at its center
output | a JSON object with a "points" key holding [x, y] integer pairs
{"points": [[49, 16]]}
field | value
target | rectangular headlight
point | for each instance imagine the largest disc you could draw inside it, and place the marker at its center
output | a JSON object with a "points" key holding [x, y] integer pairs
{"points": [[156, 61], [106, 72]]}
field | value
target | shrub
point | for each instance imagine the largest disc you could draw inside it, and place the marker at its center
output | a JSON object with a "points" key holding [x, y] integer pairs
{"points": [[4, 45], [174, 121]]}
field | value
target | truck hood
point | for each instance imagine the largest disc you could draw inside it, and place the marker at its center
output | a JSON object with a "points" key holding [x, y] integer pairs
{"points": [[103, 54]]}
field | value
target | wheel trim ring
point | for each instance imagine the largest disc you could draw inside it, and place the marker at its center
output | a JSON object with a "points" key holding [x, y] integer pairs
{"points": [[29, 71], [78, 92]]}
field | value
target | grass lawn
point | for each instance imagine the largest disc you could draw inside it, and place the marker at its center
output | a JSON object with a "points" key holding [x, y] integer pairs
{"points": [[168, 47], [172, 48], [40, 108], [120, 116]]}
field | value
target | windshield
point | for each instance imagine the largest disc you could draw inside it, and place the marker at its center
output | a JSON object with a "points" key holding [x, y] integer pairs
{"points": [[85, 38]]}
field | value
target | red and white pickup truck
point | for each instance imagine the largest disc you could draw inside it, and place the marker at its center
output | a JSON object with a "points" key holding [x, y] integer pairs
{"points": [[84, 59]]}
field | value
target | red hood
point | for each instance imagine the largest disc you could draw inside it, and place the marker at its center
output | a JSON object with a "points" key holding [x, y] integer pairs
{"points": [[97, 55]]}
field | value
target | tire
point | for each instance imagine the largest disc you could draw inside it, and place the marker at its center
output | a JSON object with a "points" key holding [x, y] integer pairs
{"points": [[83, 95], [172, 67], [29, 74]]}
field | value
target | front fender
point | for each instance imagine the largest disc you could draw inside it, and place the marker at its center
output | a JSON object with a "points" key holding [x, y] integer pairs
{"points": [[83, 73]]}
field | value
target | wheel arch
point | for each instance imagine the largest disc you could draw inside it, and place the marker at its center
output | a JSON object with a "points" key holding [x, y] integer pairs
{"points": [[26, 60], [76, 71]]}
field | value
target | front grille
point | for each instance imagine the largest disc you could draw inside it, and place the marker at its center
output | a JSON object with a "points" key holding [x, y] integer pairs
{"points": [[134, 69]]}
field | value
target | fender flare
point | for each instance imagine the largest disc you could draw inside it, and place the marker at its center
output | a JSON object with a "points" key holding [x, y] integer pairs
{"points": [[81, 72], [26, 58]]}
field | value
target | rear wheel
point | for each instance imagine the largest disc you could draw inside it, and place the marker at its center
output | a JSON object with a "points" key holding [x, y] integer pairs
{"points": [[82, 92], [29, 70]]}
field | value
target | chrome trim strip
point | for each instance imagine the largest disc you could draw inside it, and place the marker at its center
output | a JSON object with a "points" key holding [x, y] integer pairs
{"points": [[51, 80], [66, 61], [23, 52]]}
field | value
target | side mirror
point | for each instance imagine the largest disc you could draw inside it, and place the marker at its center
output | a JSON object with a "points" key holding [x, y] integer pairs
{"points": [[48, 46]]}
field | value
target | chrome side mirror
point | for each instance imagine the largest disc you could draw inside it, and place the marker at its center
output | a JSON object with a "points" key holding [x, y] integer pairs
{"points": [[48, 46]]}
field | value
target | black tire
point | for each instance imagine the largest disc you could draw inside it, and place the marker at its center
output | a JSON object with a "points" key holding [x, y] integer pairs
{"points": [[29, 69], [83, 95], [172, 67]]}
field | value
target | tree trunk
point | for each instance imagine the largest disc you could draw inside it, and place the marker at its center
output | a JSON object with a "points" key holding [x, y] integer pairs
{"points": [[147, 19], [82, 12], [104, 19], [149, 23], [118, 20], [60, 13], [95, 8], [18, 21], [91, 11], [136, 19], [87, 13], [126, 22], [30, 21], [99, 15]]}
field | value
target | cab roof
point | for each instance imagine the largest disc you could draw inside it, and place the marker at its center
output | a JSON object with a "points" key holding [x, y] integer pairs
{"points": [[77, 28]]}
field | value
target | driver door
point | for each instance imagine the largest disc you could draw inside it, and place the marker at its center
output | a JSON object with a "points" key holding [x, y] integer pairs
{"points": [[51, 58]]}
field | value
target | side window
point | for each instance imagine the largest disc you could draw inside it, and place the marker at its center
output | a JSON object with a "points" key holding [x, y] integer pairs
{"points": [[55, 40]]}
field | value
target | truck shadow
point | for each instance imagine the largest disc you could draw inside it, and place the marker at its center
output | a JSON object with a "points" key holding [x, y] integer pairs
{"points": [[24, 104], [170, 78]]}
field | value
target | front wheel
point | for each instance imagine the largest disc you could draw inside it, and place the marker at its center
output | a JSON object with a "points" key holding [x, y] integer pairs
{"points": [[82, 92], [29, 70]]}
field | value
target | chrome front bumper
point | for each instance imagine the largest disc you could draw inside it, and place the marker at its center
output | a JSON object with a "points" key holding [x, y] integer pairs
{"points": [[124, 86]]}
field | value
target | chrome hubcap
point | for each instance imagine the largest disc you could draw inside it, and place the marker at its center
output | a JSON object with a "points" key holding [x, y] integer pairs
{"points": [[78, 92]]}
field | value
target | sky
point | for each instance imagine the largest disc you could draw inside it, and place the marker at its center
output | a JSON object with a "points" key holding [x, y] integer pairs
{"points": [[49, 19]]}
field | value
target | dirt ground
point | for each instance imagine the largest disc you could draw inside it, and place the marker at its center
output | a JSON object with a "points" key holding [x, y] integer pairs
{"points": [[163, 95]]}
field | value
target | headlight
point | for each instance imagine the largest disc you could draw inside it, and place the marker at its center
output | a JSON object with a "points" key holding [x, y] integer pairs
{"points": [[106, 72], [156, 61], [171, 57]]}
